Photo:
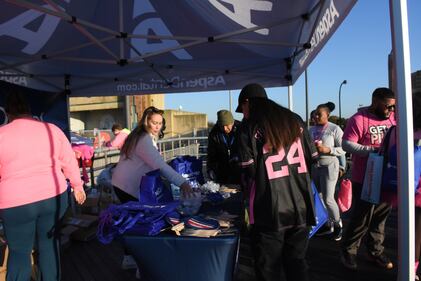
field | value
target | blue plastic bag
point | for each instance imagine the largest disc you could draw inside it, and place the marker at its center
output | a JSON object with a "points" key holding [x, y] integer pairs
{"points": [[134, 218], [390, 173], [152, 189], [188, 166], [321, 212]]}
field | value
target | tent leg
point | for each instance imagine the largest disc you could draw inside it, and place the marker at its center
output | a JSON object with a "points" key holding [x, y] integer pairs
{"points": [[406, 221], [290, 101]]}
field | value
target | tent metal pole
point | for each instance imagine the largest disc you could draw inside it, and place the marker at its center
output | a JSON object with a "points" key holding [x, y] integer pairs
{"points": [[306, 85], [230, 100], [121, 27], [128, 113], [406, 217], [290, 102], [62, 15], [217, 38]]}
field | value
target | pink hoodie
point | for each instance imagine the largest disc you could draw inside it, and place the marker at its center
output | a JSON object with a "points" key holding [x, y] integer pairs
{"points": [[35, 160], [120, 138]]}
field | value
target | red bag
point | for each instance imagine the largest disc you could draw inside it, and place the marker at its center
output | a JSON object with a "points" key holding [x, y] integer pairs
{"points": [[345, 195]]}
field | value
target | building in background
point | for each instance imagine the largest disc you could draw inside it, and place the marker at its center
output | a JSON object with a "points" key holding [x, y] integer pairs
{"points": [[96, 112], [183, 123], [415, 77], [416, 81], [103, 112], [87, 114]]}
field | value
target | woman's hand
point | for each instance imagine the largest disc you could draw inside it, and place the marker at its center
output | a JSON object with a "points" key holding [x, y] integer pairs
{"points": [[80, 196], [186, 190]]}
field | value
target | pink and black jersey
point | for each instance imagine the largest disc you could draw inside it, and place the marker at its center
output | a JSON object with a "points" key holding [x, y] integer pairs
{"points": [[280, 190]]}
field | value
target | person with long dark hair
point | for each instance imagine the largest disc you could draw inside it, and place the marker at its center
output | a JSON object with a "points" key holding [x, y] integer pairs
{"points": [[139, 155], [276, 154], [33, 189]]}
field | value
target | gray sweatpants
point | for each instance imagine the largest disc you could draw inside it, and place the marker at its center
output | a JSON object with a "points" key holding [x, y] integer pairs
{"points": [[325, 176]]}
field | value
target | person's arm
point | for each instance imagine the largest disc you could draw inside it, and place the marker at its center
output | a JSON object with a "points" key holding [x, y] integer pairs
{"points": [[356, 148], [148, 153], [310, 152], [337, 148], [212, 163], [70, 167], [352, 135], [246, 153]]}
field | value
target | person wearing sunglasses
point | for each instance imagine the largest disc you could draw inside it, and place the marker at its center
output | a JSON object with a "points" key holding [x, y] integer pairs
{"points": [[363, 134]]}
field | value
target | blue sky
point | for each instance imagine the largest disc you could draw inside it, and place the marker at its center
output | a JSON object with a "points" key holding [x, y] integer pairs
{"points": [[357, 52]]}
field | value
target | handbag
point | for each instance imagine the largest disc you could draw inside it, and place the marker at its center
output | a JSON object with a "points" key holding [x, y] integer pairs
{"points": [[373, 178], [320, 211], [345, 195], [152, 190], [390, 168]]}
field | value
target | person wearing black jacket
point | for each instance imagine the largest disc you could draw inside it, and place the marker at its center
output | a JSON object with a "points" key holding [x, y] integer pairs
{"points": [[276, 154], [222, 162]]}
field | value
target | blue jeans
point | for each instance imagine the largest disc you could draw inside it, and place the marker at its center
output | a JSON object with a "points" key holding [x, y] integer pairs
{"points": [[39, 222]]}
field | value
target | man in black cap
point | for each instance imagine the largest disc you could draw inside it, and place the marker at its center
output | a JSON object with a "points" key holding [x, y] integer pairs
{"points": [[222, 162]]}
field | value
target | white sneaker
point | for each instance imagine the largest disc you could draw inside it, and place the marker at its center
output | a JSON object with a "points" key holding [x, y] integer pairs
{"points": [[128, 262]]}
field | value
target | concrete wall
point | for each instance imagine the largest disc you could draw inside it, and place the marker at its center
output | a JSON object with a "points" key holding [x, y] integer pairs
{"points": [[101, 119], [182, 122]]}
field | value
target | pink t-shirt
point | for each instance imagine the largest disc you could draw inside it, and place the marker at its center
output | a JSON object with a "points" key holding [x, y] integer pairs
{"points": [[366, 129], [35, 160], [120, 138]]}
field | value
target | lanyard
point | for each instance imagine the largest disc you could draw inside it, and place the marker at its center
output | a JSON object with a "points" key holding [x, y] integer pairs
{"points": [[228, 144]]}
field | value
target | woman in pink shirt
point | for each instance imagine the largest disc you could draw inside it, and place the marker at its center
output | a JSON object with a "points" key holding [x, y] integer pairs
{"points": [[35, 160], [120, 134]]}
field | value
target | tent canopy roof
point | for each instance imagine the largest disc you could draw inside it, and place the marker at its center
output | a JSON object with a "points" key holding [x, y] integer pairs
{"points": [[110, 47]]}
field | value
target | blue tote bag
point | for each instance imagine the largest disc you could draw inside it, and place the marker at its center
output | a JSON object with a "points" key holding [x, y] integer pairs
{"points": [[152, 189], [188, 166], [321, 212]]}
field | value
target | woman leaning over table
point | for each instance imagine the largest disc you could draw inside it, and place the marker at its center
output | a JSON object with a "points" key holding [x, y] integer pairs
{"points": [[139, 155], [33, 189]]}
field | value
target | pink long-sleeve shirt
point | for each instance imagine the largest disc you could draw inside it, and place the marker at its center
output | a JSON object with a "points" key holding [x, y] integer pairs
{"points": [[120, 138], [35, 160]]}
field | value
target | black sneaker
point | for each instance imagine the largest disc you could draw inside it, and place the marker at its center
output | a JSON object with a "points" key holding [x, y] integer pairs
{"points": [[349, 260], [326, 229], [337, 231], [382, 260]]}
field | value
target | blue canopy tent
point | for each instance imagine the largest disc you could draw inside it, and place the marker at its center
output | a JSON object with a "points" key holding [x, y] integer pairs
{"points": [[134, 47], [116, 47]]}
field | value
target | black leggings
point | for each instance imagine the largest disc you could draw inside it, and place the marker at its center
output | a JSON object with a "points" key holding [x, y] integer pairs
{"points": [[123, 196], [280, 256], [417, 233]]}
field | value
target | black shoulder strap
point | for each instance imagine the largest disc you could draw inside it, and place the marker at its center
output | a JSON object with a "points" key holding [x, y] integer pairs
{"points": [[385, 147]]}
